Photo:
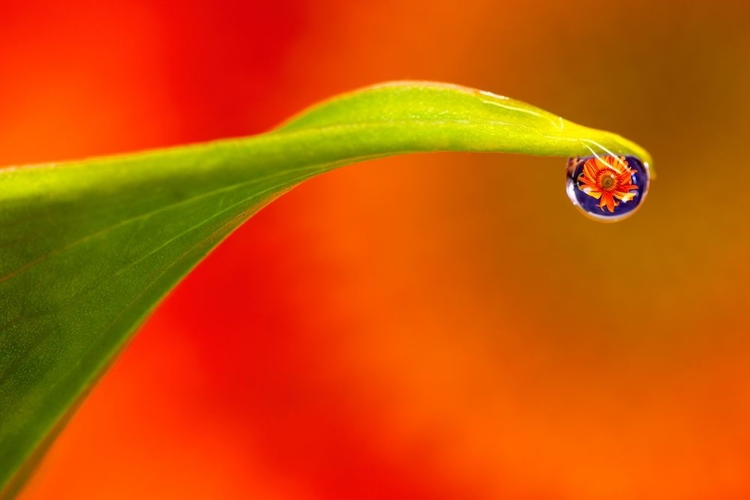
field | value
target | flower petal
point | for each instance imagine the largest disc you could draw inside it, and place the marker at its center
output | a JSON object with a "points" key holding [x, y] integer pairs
{"points": [[625, 197], [593, 193], [590, 169]]}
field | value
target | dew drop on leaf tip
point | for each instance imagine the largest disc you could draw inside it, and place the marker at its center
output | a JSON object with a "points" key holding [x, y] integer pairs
{"points": [[607, 188]]}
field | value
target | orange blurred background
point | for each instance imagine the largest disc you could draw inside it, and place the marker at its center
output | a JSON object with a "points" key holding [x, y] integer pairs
{"points": [[427, 327]]}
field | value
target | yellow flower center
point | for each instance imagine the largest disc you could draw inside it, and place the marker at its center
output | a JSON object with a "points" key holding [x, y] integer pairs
{"points": [[607, 180]]}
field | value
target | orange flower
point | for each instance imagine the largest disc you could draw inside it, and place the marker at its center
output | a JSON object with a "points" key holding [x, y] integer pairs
{"points": [[608, 179]]}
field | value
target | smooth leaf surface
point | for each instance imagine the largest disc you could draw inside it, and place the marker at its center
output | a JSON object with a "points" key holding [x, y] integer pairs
{"points": [[89, 248]]}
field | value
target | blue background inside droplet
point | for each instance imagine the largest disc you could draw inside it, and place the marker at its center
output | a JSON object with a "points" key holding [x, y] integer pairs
{"points": [[591, 204]]}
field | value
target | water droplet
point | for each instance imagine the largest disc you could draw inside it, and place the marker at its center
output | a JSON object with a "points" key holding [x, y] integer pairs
{"points": [[607, 188]]}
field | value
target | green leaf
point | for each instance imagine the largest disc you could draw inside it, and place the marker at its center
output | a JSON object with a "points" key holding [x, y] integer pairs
{"points": [[89, 248]]}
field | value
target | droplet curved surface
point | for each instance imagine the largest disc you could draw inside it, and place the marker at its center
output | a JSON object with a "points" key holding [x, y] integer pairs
{"points": [[607, 188]]}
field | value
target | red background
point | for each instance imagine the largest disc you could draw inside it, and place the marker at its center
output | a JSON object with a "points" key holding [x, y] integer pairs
{"points": [[428, 327]]}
